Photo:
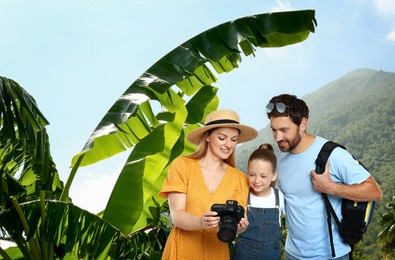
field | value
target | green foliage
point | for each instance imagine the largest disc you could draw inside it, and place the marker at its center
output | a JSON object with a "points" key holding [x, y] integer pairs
{"points": [[284, 232], [24, 146], [66, 230], [155, 139], [34, 209], [358, 111], [146, 243], [387, 235]]}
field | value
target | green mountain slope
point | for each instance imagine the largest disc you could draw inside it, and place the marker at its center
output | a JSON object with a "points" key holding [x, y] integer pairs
{"points": [[358, 111]]}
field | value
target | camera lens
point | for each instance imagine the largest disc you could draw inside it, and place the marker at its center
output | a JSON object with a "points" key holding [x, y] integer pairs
{"points": [[227, 229]]}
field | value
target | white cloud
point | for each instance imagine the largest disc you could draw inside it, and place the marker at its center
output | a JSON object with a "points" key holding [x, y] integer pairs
{"points": [[386, 8], [93, 190], [282, 6], [391, 35]]}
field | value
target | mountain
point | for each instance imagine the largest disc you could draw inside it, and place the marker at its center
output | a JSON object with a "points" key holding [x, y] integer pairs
{"points": [[358, 111]]}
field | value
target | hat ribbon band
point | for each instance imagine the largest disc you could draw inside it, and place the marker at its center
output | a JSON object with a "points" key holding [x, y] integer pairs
{"points": [[222, 121]]}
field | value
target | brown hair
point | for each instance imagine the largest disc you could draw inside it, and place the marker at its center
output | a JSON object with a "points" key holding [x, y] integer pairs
{"points": [[296, 108], [265, 152]]}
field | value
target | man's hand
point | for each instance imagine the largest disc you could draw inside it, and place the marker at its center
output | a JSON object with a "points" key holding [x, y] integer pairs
{"points": [[323, 182]]}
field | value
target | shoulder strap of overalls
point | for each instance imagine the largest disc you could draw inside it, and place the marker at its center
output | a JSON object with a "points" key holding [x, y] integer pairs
{"points": [[277, 197], [249, 201]]}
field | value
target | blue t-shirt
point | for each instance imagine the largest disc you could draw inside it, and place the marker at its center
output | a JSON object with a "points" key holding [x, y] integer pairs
{"points": [[308, 236]]}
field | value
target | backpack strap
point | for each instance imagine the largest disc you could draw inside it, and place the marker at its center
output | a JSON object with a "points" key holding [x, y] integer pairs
{"points": [[330, 212], [324, 154], [321, 160]]}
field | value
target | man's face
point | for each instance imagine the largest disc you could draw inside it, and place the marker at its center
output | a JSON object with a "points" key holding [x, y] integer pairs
{"points": [[285, 133]]}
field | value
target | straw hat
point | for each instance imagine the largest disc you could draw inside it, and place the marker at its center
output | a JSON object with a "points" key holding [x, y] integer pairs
{"points": [[223, 118]]}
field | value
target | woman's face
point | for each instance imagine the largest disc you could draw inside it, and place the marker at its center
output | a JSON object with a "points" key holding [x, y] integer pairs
{"points": [[222, 141]]}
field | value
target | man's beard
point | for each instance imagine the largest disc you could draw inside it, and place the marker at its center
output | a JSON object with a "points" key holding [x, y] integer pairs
{"points": [[291, 144]]}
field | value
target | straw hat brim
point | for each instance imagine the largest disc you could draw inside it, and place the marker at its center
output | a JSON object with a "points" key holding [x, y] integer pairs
{"points": [[246, 133]]}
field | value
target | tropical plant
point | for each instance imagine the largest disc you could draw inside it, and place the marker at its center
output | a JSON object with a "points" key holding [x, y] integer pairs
{"points": [[31, 214], [157, 139], [36, 212], [387, 235]]}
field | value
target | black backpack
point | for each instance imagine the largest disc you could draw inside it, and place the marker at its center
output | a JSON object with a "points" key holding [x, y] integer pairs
{"points": [[356, 215]]}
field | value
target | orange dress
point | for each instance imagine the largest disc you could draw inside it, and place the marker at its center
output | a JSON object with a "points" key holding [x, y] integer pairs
{"points": [[185, 176]]}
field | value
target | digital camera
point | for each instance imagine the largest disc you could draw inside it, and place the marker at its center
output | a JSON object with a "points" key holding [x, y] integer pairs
{"points": [[230, 215]]}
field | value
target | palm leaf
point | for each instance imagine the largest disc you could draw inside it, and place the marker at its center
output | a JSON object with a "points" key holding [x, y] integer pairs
{"points": [[18, 112], [185, 67], [26, 166], [157, 139], [67, 228], [24, 143]]}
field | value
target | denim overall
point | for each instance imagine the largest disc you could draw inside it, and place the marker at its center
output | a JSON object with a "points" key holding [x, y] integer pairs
{"points": [[262, 239]]}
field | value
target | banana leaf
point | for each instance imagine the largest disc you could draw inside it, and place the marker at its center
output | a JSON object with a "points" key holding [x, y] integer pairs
{"points": [[24, 146], [66, 230], [181, 82]]}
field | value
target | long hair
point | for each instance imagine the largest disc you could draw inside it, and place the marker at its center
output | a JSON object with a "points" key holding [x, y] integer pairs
{"points": [[202, 147]]}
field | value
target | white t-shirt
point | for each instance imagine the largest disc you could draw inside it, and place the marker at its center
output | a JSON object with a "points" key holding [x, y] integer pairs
{"points": [[269, 201]]}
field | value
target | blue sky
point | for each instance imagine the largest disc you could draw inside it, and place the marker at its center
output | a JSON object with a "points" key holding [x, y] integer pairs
{"points": [[77, 57]]}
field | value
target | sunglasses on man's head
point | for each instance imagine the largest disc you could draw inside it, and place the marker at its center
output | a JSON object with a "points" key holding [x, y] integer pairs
{"points": [[280, 107]]}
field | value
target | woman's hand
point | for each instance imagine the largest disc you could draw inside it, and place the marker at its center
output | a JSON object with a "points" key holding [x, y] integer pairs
{"points": [[243, 224], [186, 221], [210, 220]]}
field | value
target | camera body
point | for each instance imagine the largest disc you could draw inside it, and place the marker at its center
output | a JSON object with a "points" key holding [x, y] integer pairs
{"points": [[230, 214]]}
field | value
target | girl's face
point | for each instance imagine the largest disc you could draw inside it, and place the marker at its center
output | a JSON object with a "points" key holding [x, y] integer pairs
{"points": [[222, 141], [260, 176]]}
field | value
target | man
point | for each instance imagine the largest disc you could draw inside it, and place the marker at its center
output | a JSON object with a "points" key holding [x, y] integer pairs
{"points": [[308, 236]]}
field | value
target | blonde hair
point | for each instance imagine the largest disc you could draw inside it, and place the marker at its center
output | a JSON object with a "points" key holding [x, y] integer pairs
{"points": [[265, 152], [202, 147]]}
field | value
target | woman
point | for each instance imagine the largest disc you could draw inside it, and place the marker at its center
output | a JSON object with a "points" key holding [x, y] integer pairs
{"points": [[194, 183]]}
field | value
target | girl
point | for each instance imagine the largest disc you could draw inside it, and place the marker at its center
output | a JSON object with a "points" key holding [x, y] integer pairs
{"points": [[262, 239]]}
